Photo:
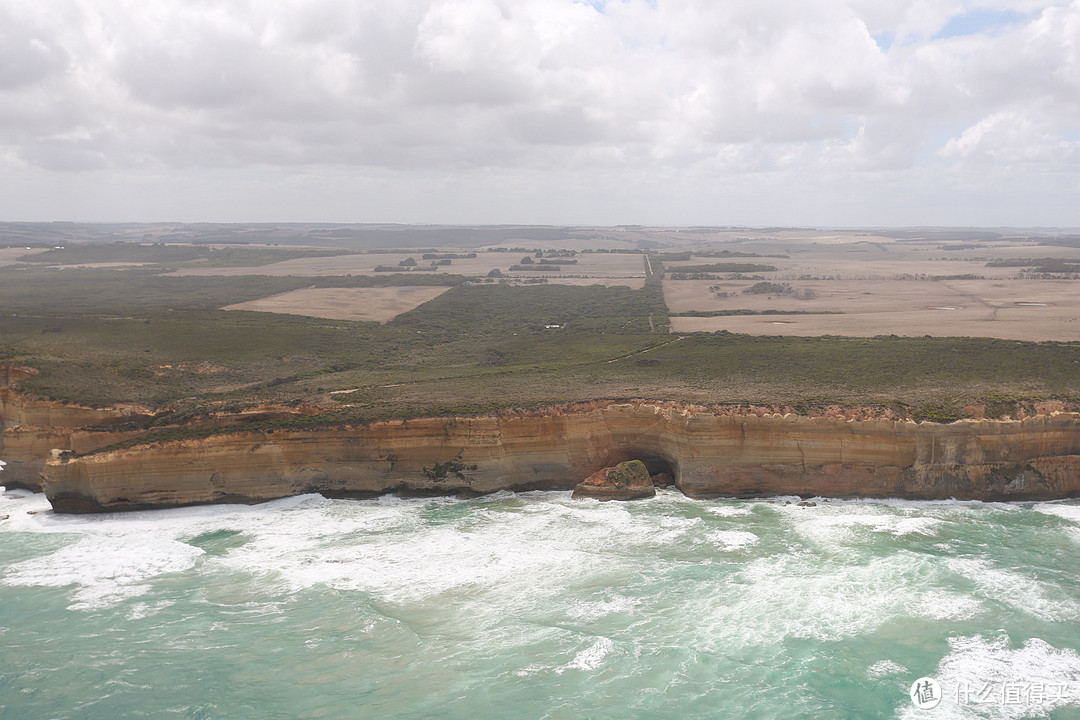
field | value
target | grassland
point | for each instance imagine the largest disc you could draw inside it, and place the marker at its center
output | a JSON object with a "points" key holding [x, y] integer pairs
{"points": [[106, 335]]}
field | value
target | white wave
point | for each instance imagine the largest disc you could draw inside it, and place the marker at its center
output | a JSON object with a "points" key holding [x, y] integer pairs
{"points": [[105, 571], [728, 510], [594, 610], [668, 529], [168, 522], [1016, 589], [590, 658], [1066, 510], [403, 553], [989, 678], [142, 610], [945, 605], [835, 524], [526, 552], [533, 669], [885, 668], [923, 506], [733, 539], [26, 510], [802, 595]]}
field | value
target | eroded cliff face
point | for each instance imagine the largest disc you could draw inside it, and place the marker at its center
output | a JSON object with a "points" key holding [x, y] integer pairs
{"points": [[31, 428], [709, 453]]}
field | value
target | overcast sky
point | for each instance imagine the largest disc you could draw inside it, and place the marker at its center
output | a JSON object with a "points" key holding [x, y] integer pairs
{"points": [[756, 112]]}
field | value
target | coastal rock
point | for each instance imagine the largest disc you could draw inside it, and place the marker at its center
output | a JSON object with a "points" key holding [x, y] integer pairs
{"points": [[30, 428], [709, 452], [626, 481], [662, 480]]}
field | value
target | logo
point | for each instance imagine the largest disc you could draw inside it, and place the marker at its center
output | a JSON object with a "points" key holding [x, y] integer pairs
{"points": [[925, 693]]}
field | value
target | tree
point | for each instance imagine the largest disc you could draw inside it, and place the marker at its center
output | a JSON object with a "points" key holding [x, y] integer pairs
{"points": [[407, 262], [526, 260]]}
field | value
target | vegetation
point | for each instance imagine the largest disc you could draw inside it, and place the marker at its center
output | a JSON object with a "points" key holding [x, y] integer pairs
{"points": [[1042, 265], [628, 473], [166, 254], [767, 288], [108, 292], [441, 471], [102, 336], [773, 288]]}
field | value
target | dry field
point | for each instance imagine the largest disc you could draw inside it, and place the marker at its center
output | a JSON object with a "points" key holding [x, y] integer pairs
{"points": [[10, 256], [365, 304], [102, 265], [632, 283], [857, 283], [600, 268], [887, 287]]}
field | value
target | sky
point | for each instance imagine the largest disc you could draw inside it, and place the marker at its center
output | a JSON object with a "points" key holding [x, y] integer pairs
{"points": [[656, 112]]}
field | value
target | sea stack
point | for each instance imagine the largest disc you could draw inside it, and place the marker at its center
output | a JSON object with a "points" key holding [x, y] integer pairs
{"points": [[626, 481]]}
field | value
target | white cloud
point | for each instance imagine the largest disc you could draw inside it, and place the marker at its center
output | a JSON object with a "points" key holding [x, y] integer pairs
{"points": [[1013, 137], [705, 92]]}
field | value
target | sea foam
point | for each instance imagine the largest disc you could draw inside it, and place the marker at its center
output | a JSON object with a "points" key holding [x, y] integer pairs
{"points": [[104, 571], [987, 677]]}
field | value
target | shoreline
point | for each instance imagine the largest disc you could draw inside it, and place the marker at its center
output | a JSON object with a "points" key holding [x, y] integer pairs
{"points": [[707, 455], [90, 460]]}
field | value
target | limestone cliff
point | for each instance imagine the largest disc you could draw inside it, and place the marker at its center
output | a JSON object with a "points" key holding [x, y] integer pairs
{"points": [[31, 428], [709, 452]]}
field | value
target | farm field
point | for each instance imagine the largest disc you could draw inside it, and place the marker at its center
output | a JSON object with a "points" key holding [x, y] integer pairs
{"points": [[606, 268], [361, 304], [10, 256], [782, 318], [887, 287]]}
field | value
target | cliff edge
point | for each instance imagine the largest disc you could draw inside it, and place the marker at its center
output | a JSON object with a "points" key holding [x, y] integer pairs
{"points": [[708, 453]]}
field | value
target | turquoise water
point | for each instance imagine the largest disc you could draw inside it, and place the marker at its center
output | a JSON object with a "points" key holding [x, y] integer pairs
{"points": [[537, 606]]}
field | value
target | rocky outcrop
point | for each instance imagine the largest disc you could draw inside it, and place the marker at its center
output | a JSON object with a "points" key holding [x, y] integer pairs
{"points": [[26, 448], [31, 428], [709, 452], [706, 452], [626, 481]]}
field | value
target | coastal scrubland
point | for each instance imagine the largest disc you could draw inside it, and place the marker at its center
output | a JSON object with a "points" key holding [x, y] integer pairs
{"points": [[928, 328]]}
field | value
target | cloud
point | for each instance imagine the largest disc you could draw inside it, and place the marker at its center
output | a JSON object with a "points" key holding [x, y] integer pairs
{"points": [[621, 89], [1011, 138], [28, 51]]}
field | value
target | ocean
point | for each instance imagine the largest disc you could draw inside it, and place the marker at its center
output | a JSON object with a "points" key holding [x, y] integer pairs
{"points": [[534, 605]]}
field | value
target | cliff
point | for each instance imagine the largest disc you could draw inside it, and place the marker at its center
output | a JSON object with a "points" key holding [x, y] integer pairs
{"points": [[747, 452], [31, 428], [709, 453]]}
